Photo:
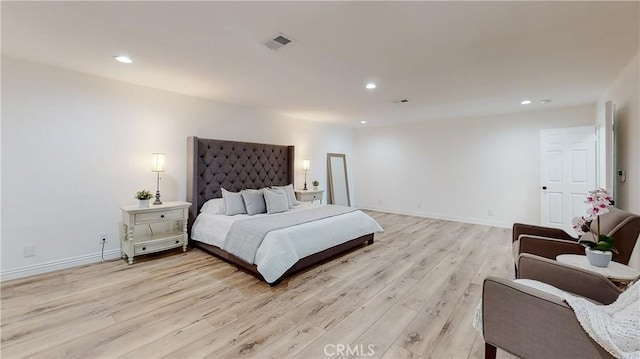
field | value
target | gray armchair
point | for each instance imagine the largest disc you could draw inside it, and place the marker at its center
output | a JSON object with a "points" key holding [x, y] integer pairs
{"points": [[547, 242], [530, 323]]}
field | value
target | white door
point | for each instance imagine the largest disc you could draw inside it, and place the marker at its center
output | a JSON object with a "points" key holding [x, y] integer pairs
{"points": [[568, 172]]}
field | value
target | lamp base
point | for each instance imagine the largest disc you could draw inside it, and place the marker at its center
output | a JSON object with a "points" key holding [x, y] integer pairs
{"points": [[158, 201]]}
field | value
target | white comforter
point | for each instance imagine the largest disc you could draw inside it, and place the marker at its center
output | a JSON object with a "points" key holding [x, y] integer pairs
{"points": [[282, 248]]}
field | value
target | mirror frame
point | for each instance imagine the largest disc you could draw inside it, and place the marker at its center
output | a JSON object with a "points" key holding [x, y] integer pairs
{"points": [[330, 194]]}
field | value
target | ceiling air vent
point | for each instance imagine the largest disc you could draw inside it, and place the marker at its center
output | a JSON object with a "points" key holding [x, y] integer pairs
{"points": [[278, 41], [400, 101]]}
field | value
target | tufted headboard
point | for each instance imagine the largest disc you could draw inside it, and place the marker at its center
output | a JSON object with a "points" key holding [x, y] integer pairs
{"points": [[214, 164]]}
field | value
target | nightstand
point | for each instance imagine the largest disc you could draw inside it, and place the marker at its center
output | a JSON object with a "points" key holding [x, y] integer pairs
{"points": [[154, 229], [309, 195]]}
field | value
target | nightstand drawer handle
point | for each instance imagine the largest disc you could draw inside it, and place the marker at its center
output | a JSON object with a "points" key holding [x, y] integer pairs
{"points": [[177, 242], [162, 216], [144, 248]]}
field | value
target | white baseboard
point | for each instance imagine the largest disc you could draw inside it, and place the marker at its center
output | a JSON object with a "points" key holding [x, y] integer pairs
{"points": [[481, 221], [57, 265]]}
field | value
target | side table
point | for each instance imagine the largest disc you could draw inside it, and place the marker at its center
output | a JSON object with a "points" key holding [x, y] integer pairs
{"points": [[618, 273], [309, 195], [170, 215]]}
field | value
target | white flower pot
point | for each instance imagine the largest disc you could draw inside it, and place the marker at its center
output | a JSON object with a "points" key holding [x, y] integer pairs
{"points": [[598, 258], [144, 203], [315, 188]]}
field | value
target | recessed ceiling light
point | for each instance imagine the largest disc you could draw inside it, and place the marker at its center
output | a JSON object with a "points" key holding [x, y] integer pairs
{"points": [[525, 102], [370, 86], [123, 59], [546, 101], [363, 122]]}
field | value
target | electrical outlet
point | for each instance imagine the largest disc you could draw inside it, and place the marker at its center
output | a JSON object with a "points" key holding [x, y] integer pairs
{"points": [[490, 213], [103, 237], [379, 201]]}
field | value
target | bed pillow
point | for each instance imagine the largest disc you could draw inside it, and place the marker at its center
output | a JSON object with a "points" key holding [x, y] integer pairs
{"points": [[291, 196], [213, 206], [254, 201], [276, 200], [233, 203]]}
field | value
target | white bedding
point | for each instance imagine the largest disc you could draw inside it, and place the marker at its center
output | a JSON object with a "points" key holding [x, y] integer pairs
{"points": [[282, 248]]}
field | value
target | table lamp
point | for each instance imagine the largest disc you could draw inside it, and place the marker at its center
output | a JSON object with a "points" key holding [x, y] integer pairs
{"points": [[305, 168], [157, 165]]}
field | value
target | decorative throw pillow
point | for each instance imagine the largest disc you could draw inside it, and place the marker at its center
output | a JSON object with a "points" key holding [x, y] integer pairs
{"points": [[213, 206], [233, 203], [291, 196], [276, 200], [254, 201]]}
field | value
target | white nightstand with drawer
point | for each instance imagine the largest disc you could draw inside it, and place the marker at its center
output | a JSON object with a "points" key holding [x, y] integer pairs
{"points": [[309, 195], [154, 229]]}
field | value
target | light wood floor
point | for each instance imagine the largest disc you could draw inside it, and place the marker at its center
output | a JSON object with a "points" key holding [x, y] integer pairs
{"points": [[411, 294]]}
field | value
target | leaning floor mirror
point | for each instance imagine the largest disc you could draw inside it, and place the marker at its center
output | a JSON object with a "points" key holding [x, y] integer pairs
{"points": [[337, 179]]}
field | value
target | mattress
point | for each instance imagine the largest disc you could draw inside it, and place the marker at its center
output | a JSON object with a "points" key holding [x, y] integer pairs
{"points": [[282, 248]]}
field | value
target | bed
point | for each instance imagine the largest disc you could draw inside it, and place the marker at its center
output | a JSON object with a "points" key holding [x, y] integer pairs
{"points": [[235, 166]]}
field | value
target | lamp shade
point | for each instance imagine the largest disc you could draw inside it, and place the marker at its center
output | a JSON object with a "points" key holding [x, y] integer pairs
{"points": [[305, 165], [158, 162]]}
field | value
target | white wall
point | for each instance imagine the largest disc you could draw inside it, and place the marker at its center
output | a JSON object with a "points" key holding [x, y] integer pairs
{"points": [[460, 169], [625, 93], [76, 147]]}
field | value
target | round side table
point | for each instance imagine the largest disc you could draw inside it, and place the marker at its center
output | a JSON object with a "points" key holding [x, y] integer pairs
{"points": [[618, 273]]}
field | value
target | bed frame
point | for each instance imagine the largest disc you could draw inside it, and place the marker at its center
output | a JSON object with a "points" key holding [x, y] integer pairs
{"points": [[214, 164]]}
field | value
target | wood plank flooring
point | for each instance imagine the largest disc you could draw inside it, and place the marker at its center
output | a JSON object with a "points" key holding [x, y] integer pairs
{"points": [[412, 294]]}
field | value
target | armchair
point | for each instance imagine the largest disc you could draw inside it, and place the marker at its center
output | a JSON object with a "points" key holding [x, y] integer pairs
{"points": [[547, 242], [530, 323]]}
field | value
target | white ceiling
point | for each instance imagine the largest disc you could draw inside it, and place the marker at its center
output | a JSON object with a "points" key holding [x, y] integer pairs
{"points": [[449, 59]]}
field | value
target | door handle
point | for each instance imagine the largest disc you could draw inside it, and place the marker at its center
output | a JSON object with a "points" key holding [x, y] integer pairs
{"points": [[544, 187]]}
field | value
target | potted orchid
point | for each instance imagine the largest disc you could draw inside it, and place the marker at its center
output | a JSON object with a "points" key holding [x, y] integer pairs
{"points": [[315, 185], [598, 247]]}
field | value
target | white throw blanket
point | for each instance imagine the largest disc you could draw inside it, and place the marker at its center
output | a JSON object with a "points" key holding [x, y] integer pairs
{"points": [[615, 327]]}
